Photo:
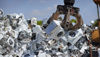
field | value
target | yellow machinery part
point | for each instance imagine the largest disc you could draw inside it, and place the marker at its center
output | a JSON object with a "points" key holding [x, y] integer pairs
{"points": [[96, 36]]}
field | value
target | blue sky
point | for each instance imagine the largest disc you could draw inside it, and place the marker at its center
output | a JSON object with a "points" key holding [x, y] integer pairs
{"points": [[42, 9]]}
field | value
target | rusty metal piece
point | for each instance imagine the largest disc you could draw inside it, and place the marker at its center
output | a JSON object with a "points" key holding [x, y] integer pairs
{"points": [[97, 2], [90, 47]]}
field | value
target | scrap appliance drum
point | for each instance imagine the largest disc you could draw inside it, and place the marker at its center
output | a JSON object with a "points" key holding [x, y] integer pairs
{"points": [[69, 2]]}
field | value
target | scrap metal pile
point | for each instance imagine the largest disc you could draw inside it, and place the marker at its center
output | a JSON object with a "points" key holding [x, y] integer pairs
{"points": [[20, 37]]}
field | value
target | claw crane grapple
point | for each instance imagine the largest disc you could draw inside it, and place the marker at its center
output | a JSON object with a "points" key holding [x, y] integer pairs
{"points": [[67, 10]]}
